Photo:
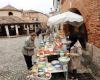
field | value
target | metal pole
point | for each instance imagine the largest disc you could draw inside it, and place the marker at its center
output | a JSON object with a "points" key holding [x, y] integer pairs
{"points": [[70, 4]]}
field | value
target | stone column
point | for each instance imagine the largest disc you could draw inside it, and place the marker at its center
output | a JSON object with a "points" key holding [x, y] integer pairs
{"points": [[28, 30], [24, 27], [16, 28], [31, 26], [7, 30]]}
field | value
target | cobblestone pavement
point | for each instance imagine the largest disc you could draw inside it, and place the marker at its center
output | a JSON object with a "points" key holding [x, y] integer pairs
{"points": [[12, 64]]}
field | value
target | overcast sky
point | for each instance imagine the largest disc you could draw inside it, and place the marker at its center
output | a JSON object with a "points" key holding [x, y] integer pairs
{"points": [[39, 5]]}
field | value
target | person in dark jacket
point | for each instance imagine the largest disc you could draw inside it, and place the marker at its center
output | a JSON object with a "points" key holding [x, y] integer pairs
{"points": [[77, 36], [38, 31], [73, 38]]}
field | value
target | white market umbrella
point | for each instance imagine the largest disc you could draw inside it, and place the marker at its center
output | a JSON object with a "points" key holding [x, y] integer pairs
{"points": [[70, 17]]}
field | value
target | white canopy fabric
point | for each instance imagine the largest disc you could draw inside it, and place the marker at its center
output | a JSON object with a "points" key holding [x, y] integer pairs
{"points": [[65, 17]]}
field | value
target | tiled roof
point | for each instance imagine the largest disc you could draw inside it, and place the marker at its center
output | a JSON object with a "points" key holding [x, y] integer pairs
{"points": [[9, 7], [32, 11], [10, 19], [14, 20]]}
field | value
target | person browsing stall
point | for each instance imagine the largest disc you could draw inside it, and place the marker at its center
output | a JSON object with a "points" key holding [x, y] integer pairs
{"points": [[28, 50]]}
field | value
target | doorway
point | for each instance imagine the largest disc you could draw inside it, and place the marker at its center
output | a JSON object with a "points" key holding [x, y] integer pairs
{"points": [[2, 31], [82, 32]]}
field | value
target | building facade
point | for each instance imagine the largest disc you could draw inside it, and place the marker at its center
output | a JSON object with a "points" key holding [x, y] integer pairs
{"points": [[90, 10], [10, 10], [35, 16], [14, 22]]}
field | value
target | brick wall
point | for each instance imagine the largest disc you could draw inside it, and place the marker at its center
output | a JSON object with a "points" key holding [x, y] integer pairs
{"points": [[90, 10]]}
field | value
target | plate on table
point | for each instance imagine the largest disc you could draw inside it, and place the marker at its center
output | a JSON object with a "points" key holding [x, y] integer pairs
{"points": [[55, 62], [64, 59]]}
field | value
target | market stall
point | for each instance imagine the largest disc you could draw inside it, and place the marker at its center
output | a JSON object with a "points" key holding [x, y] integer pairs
{"points": [[46, 66]]}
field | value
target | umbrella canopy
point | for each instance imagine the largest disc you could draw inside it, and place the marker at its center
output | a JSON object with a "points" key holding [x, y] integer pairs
{"points": [[70, 17]]}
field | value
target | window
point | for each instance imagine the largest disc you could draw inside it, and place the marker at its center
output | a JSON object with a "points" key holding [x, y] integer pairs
{"points": [[37, 25], [35, 19], [56, 5], [10, 14]]}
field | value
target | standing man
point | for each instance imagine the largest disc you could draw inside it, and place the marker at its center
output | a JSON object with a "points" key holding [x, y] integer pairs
{"points": [[28, 50], [38, 31]]}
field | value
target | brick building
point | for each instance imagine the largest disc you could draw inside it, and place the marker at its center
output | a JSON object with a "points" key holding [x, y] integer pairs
{"points": [[90, 10]]}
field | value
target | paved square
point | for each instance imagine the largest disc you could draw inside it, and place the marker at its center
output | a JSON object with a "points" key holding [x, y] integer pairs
{"points": [[12, 64]]}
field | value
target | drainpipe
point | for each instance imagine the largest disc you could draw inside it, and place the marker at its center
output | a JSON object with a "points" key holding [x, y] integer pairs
{"points": [[70, 4]]}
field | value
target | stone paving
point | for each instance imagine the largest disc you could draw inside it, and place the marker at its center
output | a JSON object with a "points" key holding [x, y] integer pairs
{"points": [[12, 64]]}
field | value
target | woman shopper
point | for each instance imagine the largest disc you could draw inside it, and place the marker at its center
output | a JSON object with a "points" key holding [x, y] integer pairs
{"points": [[28, 50]]}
